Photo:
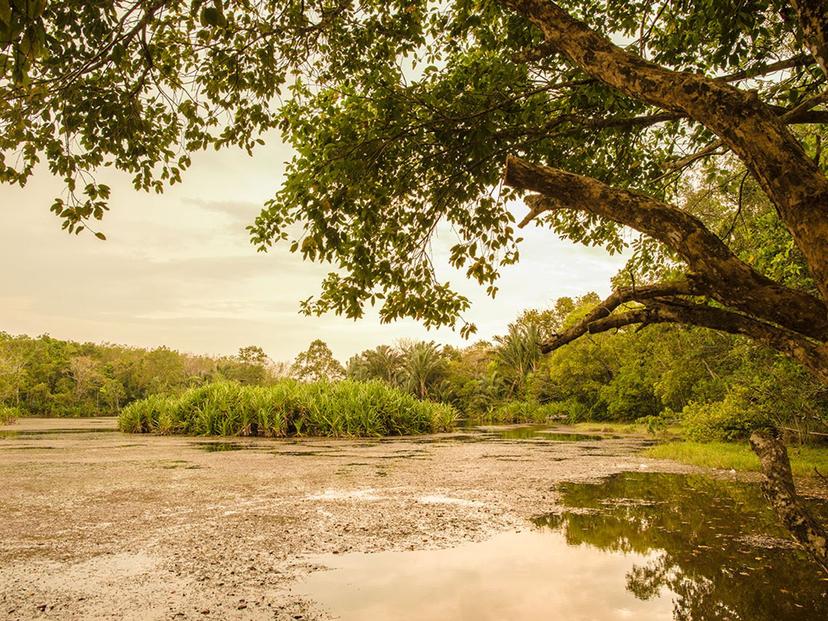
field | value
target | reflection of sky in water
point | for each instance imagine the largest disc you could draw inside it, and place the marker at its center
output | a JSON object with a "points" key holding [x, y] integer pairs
{"points": [[522, 576], [637, 546]]}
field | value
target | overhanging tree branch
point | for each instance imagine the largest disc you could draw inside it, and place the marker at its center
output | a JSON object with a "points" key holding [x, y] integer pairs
{"points": [[811, 354], [801, 113], [685, 286], [800, 60], [729, 280], [745, 125]]}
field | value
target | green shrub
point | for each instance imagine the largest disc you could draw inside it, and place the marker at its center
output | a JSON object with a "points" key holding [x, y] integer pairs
{"points": [[8, 414], [572, 410], [347, 408], [661, 422], [512, 412], [733, 418]]}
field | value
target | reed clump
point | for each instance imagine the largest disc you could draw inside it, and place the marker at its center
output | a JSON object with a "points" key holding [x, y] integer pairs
{"points": [[8, 414], [347, 408]]}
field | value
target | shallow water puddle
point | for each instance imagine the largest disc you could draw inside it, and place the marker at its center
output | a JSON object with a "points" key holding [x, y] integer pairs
{"points": [[531, 432], [364, 495], [220, 447], [440, 499], [636, 546], [516, 576]]}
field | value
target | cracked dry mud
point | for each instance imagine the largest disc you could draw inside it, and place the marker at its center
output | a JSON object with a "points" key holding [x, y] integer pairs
{"points": [[104, 525]]}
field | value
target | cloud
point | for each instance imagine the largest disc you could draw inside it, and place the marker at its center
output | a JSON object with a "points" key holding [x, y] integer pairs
{"points": [[237, 212], [179, 270]]}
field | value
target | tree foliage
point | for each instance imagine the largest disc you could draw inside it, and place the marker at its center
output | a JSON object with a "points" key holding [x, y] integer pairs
{"points": [[317, 364], [698, 124], [402, 114], [48, 377]]}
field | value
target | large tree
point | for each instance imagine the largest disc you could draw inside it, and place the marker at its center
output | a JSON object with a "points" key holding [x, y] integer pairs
{"points": [[409, 115], [317, 364]]}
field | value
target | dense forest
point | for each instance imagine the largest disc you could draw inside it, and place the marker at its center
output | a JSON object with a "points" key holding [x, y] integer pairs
{"points": [[45, 376], [716, 386]]}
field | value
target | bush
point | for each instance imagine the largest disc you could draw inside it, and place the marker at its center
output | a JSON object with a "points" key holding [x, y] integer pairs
{"points": [[661, 422], [347, 408], [513, 412], [730, 419], [570, 410], [8, 414]]}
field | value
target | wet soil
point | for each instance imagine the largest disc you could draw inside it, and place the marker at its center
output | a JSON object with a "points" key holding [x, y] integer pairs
{"points": [[102, 525]]}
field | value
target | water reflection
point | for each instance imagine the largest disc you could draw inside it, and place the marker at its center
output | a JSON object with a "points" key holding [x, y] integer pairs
{"points": [[487, 433], [220, 447], [529, 576], [722, 553], [23, 434], [639, 546]]}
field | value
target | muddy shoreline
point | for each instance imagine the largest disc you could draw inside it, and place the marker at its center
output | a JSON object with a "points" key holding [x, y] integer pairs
{"points": [[104, 525]]}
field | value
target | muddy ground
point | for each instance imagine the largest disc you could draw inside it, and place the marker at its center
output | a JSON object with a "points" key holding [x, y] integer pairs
{"points": [[96, 524]]}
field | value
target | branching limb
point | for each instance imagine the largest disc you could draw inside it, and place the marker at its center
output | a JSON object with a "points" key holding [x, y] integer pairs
{"points": [[800, 60], [676, 310], [801, 113], [739, 118], [685, 286], [730, 280]]}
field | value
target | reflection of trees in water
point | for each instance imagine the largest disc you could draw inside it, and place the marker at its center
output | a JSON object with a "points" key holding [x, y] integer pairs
{"points": [[699, 529]]}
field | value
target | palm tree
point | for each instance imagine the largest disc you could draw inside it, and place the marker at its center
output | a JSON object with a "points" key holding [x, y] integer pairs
{"points": [[384, 363], [518, 354], [424, 367]]}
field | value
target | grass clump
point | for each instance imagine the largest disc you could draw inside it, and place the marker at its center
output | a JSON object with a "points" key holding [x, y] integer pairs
{"points": [[8, 414], [347, 408], [513, 412], [737, 456]]}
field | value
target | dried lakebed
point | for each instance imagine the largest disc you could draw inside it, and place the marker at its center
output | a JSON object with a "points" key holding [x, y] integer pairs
{"points": [[519, 524]]}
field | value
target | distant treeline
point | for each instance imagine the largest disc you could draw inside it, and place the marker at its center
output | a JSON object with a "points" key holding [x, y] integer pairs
{"points": [[45, 376], [716, 386]]}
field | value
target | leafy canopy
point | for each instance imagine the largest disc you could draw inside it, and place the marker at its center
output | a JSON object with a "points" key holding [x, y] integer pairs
{"points": [[317, 364], [400, 112]]}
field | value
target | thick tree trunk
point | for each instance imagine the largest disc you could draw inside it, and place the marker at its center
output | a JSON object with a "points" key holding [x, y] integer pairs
{"points": [[780, 491], [792, 322]]}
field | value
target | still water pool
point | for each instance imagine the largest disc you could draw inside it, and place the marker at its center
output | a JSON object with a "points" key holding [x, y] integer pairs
{"points": [[636, 546]]}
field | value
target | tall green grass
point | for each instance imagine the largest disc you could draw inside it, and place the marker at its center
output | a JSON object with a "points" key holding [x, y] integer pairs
{"points": [[8, 414], [805, 461], [512, 412], [347, 408]]}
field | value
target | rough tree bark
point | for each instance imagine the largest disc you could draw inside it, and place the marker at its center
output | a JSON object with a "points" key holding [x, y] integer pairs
{"points": [[790, 321], [813, 17], [779, 489], [726, 278], [747, 126]]}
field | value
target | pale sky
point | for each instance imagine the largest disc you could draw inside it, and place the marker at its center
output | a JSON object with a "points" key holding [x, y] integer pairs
{"points": [[178, 270]]}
